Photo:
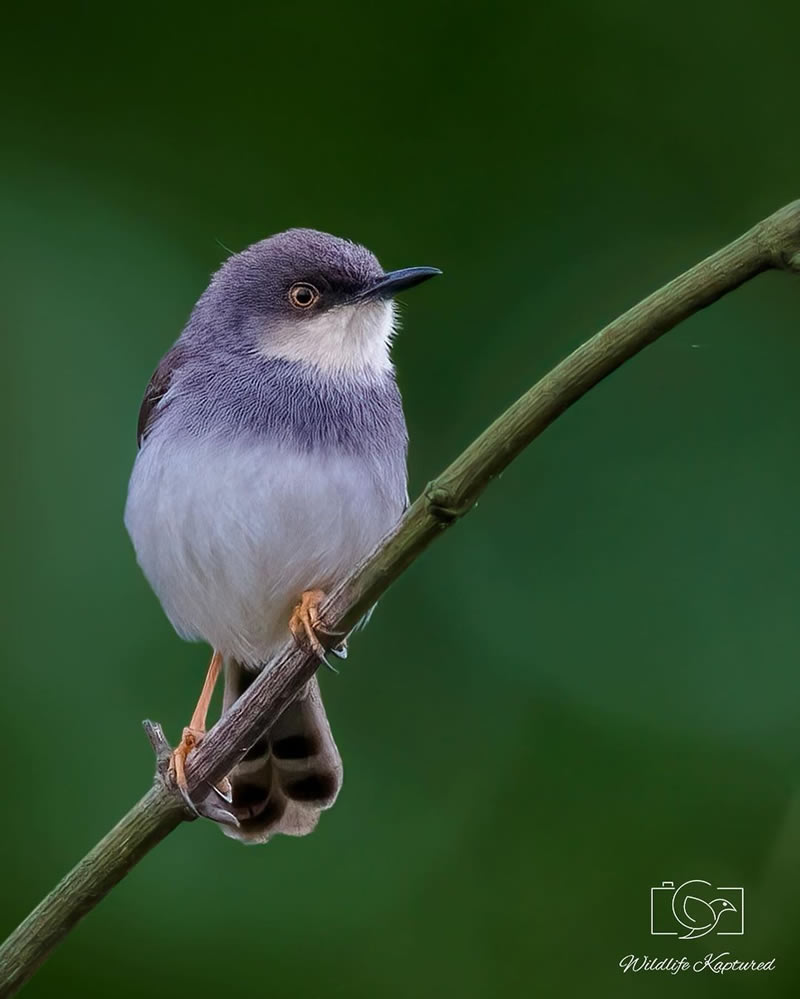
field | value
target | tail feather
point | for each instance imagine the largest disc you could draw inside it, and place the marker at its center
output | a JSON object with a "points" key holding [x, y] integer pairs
{"points": [[291, 774]]}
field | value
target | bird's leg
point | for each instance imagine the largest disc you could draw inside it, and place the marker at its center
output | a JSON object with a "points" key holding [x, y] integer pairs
{"points": [[306, 624], [196, 729]]}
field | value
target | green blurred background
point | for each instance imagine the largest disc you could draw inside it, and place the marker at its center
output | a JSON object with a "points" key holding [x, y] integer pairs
{"points": [[589, 686]]}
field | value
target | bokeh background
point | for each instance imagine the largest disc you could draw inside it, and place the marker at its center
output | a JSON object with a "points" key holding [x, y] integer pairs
{"points": [[587, 687]]}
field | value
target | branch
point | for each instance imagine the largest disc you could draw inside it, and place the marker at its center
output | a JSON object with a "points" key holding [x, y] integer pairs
{"points": [[772, 244]]}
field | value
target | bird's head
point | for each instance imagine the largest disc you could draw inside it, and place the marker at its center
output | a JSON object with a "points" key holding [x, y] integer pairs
{"points": [[720, 905], [306, 296]]}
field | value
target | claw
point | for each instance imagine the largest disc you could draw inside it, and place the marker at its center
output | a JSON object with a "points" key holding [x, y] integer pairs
{"points": [[224, 789], [330, 666], [331, 633], [340, 650], [212, 806]]}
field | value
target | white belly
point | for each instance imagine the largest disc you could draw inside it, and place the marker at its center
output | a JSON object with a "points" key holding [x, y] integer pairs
{"points": [[230, 536]]}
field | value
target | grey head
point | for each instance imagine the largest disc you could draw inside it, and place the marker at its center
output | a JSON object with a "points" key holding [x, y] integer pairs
{"points": [[305, 296], [291, 337]]}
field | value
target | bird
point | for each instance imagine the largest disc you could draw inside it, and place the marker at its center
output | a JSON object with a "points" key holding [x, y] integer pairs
{"points": [[696, 915], [272, 458]]}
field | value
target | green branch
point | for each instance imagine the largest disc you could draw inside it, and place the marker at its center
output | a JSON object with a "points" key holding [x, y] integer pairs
{"points": [[772, 244]]}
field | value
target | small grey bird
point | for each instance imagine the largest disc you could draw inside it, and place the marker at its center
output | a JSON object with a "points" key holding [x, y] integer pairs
{"points": [[272, 458]]}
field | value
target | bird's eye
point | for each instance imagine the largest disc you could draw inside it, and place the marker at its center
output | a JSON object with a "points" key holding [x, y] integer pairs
{"points": [[303, 295]]}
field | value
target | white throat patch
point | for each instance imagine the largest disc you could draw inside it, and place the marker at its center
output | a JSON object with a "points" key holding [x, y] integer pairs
{"points": [[348, 339]]}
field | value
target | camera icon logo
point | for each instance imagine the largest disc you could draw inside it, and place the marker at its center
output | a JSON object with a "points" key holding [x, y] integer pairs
{"points": [[695, 909]]}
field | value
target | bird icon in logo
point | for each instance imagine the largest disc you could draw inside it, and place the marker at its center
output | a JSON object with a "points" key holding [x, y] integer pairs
{"points": [[695, 914]]}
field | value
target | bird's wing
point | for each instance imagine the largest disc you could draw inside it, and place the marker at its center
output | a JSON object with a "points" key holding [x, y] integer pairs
{"points": [[703, 913], [157, 388]]}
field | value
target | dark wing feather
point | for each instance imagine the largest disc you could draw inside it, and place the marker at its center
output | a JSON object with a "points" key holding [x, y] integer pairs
{"points": [[157, 388]]}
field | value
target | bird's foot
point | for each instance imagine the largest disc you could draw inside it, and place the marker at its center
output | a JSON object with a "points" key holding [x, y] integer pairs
{"points": [[306, 625], [211, 801], [177, 762], [190, 739]]}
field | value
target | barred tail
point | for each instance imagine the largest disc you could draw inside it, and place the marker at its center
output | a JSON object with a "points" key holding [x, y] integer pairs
{"points": [[291, 774]]}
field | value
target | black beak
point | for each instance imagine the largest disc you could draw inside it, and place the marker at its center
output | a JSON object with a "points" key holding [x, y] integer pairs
{"points": [[389, 284]]}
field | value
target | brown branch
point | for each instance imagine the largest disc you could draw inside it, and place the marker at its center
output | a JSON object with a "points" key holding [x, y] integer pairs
{"points": [[772, 244]]}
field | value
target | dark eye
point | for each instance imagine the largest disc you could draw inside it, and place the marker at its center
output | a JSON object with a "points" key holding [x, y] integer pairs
{"points": [[303, 295]]}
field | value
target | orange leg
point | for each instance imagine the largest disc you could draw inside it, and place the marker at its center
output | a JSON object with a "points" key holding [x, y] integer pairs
{"points": [[196, 728]]}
